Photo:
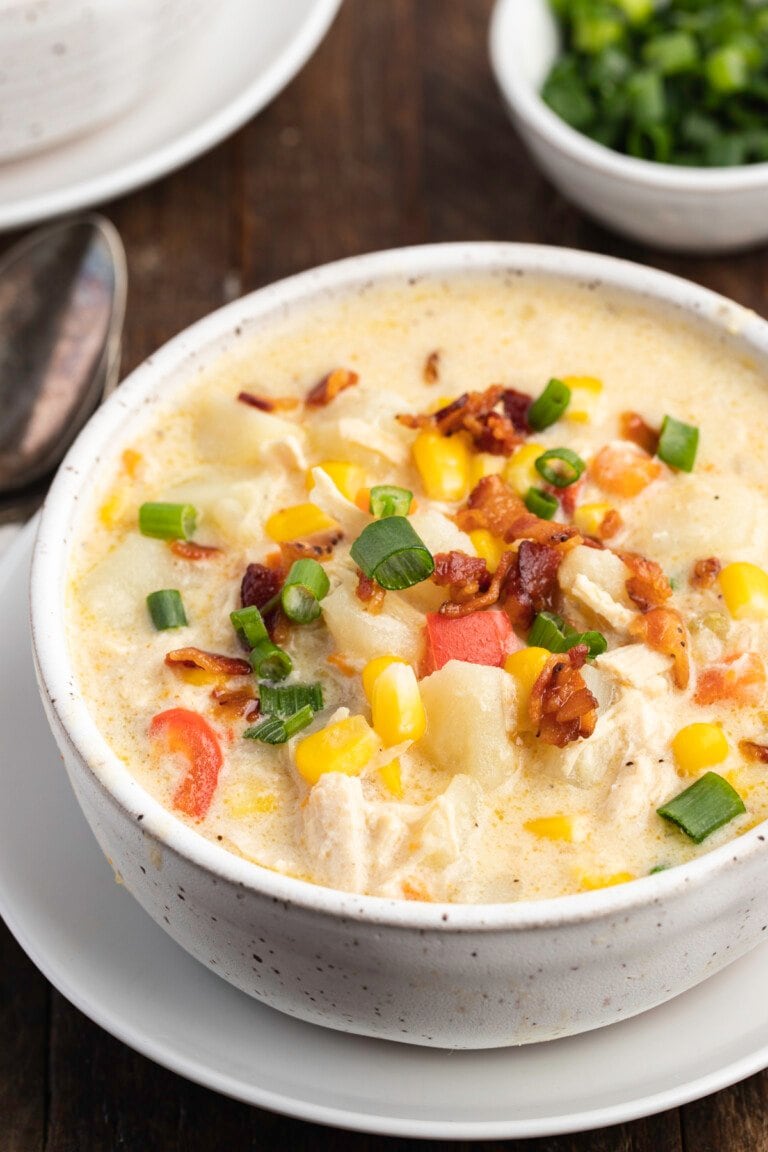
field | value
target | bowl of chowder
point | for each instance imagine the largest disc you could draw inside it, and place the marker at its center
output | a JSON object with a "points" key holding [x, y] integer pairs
{"points": [[404, 630]]}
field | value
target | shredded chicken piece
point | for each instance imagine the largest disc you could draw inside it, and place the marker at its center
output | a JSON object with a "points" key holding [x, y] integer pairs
{"points": [[370, 594], [474, 413], [663, 629], [648, 586], [208, 661], [634, 428], [330, 386], [268, 404], [705, 573], [319, 547], [562, 709], [483, 599], [431, 370], [189, 550]]}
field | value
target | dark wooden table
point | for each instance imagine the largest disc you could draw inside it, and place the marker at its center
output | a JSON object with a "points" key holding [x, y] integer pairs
{"points": [[392, 135]]}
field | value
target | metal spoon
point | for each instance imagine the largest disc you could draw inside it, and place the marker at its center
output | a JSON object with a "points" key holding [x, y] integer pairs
{"points": [[62, 304]]}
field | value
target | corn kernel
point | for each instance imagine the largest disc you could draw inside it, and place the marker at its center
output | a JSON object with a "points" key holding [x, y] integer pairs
{"points": [[247, 800], [588, 518], [391, 778], [132, 461], [699, 746], [519, 472], [373, 670], [440, 402], [363, 499], [583, 384], [488, 546], [590, 883], [578, 416], [396, 708], [745, 591], [293, 523], [526, 665], [345, 746], [443, 464], [484, 464], [197, 676], [348, 478], [113, 509], [571, 829]]}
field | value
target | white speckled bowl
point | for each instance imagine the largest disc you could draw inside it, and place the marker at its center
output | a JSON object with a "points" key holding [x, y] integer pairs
{"points": [[69, 66], [451, 975], [683, 209]]}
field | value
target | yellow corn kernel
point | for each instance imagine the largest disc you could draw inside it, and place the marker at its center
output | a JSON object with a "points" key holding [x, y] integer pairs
{"points": [[699, 746], [113, 509], [247, 800], [293, 523], [484, 464], [349, 478], [745, 591], [583, 384], [391, 778], [131, 461], [568, 828], [488, 546], [196, 676], [345, 746], [526, 665], [440, 402], [590, 883], [443, 464], [519, 472], [373, 670], [588, 518], [578, 416], [396, 709]]}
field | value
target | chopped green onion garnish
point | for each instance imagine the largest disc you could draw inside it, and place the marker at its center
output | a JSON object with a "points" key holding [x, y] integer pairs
{"points": [[166, 609], [391, 553], [277, 730], [270, 662], [286, 699], [542, 504], [701, 809], [550, 631], [560, 467], [658, 868], [167, 521], [249, 624], [678, 443], [389, 500], [549, 407], [305, 586]]}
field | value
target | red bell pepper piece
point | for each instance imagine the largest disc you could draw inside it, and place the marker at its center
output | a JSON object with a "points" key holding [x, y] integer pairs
{"points": [[479, 638], [187, 735]]}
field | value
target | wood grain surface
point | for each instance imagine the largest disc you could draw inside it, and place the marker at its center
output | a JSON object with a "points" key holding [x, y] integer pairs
{"points": [[393, 134]]}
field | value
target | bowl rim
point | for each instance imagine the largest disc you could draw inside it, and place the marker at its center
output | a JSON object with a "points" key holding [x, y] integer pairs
{"points": [[525, 102], [208, 338]]}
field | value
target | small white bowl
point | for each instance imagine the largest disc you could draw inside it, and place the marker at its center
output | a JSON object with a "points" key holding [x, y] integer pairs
{"points": [[683, 209]]}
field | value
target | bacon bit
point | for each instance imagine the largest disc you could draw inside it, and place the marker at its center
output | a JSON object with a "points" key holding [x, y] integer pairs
{"points": [[319, 547], [189, 550], [278, 626], [530, 527], [431, 371], [611, 524], [463, 575], [516, 405], [663, 630], [483, 599], [624, 469], [370, 594], [208, 661], [330, 386], [737, 680], [413, 892], [341, 662], [239, 701], [562, 708], [532, 584], [634, 428], [754, 751], [568, 497], [491, 505], [472, 412], [648, 586], [260, 584], [705, 573], [268, 404]]}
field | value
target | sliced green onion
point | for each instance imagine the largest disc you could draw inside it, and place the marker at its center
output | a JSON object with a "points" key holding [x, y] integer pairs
{"points": [[305, 586], [550, 631], [286, 699], [249, 624], [672, 53], [389, 500], [542, 504], [701, 809], [277, 730], [658, 868], [678, 443], [391, 553], [166, 609], [549, 407], [560, 467], [270, 662], [167, 521]]}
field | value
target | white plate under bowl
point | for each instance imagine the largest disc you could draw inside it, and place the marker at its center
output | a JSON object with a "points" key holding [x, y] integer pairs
{"points": [[250, 50], [93, 941]]}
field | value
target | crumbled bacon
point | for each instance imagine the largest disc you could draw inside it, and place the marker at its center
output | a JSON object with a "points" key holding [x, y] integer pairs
{"points": [[189, 550], [648, 586], [330, 386], [634, 428], [532, 527], [208, 661], [738, 679], [754, 751], [663, 630], [611, 524], [319, 547], [267, 404], [338, 660], [532, 584], [260, 584], [463, 575], [516, 405], [705, 573], [482, 599], [491, 505], [562, 708], [431, 371], [239, 700], [472, 412], [568, 497], [369, 593]]}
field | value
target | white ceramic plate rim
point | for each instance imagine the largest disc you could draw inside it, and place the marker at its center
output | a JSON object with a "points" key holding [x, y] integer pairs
{"points": [[178, 151], [526, 102], [207, 339]]}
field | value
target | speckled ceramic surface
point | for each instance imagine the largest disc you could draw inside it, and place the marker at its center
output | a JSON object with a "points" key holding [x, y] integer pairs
{"points": [[441, 975]]}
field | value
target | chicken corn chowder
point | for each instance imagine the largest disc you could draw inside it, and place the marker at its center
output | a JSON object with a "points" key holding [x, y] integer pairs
{"points": [[453, 590]]}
